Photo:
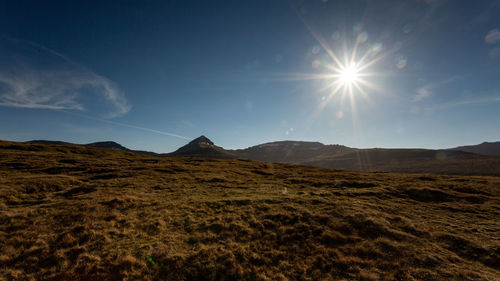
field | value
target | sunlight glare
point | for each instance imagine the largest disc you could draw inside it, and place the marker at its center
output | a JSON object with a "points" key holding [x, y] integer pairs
{"points": [[349, 75], [344, 75]]}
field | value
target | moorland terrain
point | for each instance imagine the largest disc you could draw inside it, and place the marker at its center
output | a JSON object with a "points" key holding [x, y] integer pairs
{"points": [[70, 212]]}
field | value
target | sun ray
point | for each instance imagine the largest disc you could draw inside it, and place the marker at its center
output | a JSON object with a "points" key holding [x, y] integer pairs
{"points": [[342, 98], [368, 74], [354, 50], [333, 68], [346, 54], [298, 76], [370, 85], [362, 91], [321, 41], [327, 100], [373, 61], [329, 86]]}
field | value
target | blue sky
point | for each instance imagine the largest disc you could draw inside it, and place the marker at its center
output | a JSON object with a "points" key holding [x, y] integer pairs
{"points": [[153, 74]]}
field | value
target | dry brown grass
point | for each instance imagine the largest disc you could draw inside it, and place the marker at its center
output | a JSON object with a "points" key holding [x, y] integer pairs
{"points": [[76, 213]]}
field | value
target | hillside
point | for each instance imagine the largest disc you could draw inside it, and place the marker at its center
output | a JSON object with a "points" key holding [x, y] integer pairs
{"points": [[411, 161], [485, 148], [80, 213], [289, 151], [376, 159], [108, 144], [101, 144]]}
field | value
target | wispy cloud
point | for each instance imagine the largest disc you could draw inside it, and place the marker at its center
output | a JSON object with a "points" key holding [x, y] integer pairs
{"points": [[428, 90], [492, 36], [422, 93], [493, 99], [39, 77], [469, 101]]}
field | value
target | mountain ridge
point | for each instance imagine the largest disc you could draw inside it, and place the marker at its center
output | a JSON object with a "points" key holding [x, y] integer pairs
{"points": [[288, 151], [410, 160], [484, 148]]}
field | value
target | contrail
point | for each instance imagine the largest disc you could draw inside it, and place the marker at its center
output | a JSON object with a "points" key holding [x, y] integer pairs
{"points": [[128, 125]]}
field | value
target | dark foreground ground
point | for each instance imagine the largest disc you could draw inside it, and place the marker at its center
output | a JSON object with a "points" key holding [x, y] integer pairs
{"points": [[76, 213]]}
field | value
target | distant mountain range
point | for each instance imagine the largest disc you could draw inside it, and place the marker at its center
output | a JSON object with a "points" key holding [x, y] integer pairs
{"points": [[485, 148], [481, 159], [447, 161]]}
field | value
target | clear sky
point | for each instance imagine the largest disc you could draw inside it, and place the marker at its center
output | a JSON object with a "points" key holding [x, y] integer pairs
{"points": [[152, 74]]}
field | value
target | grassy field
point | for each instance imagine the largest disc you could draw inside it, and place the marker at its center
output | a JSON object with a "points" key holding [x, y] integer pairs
{"points": [[78, 213]]}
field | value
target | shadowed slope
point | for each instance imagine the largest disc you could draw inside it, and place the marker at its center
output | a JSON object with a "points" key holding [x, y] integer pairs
{"points": [[377, 159], [289, 151], [485, 148], [411, 161]]}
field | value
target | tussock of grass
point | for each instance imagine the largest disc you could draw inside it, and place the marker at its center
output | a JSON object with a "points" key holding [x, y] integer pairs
{"points": [[79, 213]]}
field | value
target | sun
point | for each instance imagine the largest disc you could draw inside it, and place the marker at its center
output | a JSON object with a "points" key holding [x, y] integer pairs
{"points": [[349, 75], [345, 73]]}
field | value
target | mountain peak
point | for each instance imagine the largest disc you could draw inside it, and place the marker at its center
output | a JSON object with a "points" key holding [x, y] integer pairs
{"points": [[201, 141], [202, 147]]}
